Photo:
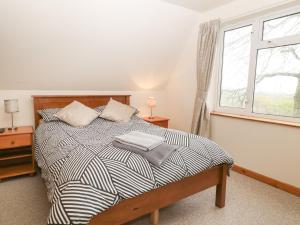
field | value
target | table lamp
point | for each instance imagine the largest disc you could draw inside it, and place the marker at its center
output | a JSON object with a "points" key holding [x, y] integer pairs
{"points": [[151, 102], [11, 106]]}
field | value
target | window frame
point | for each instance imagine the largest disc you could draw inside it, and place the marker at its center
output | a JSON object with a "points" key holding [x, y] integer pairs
{"points": [[257, 43]]}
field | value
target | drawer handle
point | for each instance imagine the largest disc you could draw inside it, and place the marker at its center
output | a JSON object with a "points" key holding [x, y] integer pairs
{"points": [[12, 142]]}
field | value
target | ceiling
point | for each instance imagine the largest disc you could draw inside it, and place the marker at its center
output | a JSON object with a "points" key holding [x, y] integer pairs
{"points": [[199, 5]]}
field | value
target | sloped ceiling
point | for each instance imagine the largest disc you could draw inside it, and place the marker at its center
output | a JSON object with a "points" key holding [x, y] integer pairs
{"points": [[199, 5], [90, 45]]}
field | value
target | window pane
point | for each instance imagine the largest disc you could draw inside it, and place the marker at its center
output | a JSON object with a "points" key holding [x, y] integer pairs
{"points": [[282, 27], [236, 55], [277, 90]]}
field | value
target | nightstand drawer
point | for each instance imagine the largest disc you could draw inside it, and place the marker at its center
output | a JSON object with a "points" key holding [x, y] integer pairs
{"points": [[161, 123], [15, 141]]}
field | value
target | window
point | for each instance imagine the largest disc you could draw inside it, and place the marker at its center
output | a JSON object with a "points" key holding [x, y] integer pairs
{"points": [[261, 67], [236, 56], [282, 27], [277, 90]]}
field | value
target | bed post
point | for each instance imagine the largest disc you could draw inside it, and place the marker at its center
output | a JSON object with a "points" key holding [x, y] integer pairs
{"points": [[221, 187], [154, 217]]}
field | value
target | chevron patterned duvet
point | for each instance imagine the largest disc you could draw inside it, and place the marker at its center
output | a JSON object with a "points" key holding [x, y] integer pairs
{"points": [[85, 174]]}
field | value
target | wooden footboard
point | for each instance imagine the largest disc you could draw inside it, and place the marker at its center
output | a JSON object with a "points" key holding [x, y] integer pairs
{"points": [[152, 201]]}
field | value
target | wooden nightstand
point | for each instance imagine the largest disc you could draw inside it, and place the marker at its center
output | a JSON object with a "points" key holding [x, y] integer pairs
{"points": [[16, 152], [159, 121]]}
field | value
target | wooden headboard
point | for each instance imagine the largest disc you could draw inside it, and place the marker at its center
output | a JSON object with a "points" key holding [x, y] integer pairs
{"points": [[60, 101]]}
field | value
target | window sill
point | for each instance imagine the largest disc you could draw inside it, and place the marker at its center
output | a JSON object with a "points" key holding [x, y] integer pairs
{"points": [[257, 119]]}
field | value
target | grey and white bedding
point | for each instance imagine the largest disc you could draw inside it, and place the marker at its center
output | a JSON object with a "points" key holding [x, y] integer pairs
{"points": [[85, 174]]}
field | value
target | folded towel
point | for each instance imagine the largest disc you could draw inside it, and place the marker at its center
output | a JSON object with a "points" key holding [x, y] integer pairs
{"points": [[140, 140], [157, 156]]}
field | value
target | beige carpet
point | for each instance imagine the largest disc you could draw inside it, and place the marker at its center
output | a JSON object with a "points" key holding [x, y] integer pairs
{"points": [[23, 201]]}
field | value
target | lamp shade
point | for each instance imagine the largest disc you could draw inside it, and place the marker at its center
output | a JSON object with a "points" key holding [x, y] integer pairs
{"points": [[151, 102], [11, 105]]}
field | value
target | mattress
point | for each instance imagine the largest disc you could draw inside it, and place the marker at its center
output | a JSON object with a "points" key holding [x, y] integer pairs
{"points": [[85, 174]]}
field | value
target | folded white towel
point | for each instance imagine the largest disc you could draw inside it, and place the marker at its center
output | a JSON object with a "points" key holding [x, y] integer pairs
{"points": [[140, 140]]}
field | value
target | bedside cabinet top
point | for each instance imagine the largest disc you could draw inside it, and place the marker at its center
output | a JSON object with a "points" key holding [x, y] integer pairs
{"points": [[20, 130], [155, 119]]}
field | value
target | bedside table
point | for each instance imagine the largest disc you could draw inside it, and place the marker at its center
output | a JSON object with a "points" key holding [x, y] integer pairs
{"points": [[159, 121], [16, 153]]}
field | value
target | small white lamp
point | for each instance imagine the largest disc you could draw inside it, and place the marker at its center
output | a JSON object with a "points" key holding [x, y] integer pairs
{"points": [[151, 102], [11, 106]]}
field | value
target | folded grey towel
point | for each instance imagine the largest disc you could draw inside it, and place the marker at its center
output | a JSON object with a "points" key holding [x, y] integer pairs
{"points": [[157, 156], [140, 140]]}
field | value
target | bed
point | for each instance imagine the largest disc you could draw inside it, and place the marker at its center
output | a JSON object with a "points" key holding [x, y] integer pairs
{"points": [[89, 181]]}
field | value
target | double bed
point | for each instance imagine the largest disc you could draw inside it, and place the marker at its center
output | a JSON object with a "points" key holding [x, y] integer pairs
{"points": [[89, 181]]}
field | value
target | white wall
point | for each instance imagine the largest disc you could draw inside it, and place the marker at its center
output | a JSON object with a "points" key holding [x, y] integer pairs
{"points": [[181, 89], [75, 46], [268, 149], [90, 45], [272, 150]]}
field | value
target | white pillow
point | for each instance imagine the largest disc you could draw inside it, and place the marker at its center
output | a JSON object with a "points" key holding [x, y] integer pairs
{"points": [[77, 114], [118, 112]]}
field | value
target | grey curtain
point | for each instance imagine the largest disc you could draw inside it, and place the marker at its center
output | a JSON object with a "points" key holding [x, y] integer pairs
{"points": [[207, 39]]}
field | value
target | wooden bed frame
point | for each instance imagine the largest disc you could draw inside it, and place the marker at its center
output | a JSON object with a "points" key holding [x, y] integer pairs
{"points": [[149, 202]]}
